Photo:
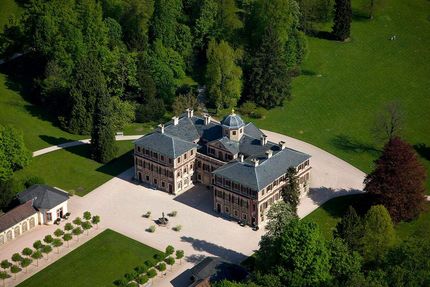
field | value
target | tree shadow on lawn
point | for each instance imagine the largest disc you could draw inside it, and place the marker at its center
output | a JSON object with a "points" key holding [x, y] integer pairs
{"points": [[349, 144], [337, 206], [214, 249], [55, 140], [423, 150]]}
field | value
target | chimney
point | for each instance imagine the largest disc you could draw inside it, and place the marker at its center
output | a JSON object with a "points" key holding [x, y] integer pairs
{"points": [[207, 119], [161, 126], [269, 153], [190, 113], [241, 157], [263, 139], [255, 161], [282, 145], [175, 120]]}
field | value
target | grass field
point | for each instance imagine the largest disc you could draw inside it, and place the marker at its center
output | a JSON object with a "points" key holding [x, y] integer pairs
{"points": [[345, 85], [99, 262], [72, 169], [8, 8], [330, 213]]}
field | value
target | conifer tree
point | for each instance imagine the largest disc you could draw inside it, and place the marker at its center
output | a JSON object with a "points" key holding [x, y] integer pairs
{"points": [[350, 229], [269, 82], [342, 19], [398, 181], [291, 191]]}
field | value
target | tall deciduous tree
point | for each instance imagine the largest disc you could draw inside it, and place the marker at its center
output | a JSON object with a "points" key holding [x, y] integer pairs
{"points": [[398, 181], [342, 19], [379, 234], [223, 75], [269, 82], [279, 215], [291, 191]]}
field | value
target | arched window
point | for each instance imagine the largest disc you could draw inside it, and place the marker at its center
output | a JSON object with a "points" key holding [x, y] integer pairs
{"points": [[1, 239], [9, 235], [32, 222], [16, 231], [24, 226]]}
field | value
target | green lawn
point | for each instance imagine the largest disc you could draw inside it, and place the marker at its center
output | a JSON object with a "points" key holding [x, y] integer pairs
{"points": [[72, 169], [344, 85], [8, 8], [330, 213], [99, 262]]}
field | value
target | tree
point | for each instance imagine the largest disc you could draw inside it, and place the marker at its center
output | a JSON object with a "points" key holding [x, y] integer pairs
{"points": [[223, 75], [398, 181], [87, 215], [77, 221], [16, 257], [58, 232], [165, 21], [37, 244], [48, 239], [141, 269], [57, 243], [103, 143], [169, 250], [67, 237], [183, 102], [13, 153], [151, 273], [123, 113], [96, 220], [86, 225], [279, 215], [291, 191], [47, 249], [299, 251], [179, 255], [36, 256], [143, 279], [388, 122], [15, 269], [27, 251], [4, 275], [342, 19], [344, 262], [25, 263], [379, 234], [68, 226], [77, 231], [350, 228], [5, 264], [170, 261], [268, 82], [161, 266]]}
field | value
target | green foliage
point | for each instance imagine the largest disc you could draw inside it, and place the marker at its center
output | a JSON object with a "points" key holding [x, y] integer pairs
{"points": [[32, 180], [161, 266], [268, 81], [179, 255], [342, 19], [379, 234], [291, 191], [77, 221], [95, 220], [170, 261], [142, 279], [4, 275], [13, 153], [177, 228], [103, 143], [68, 226], [27, 251], [149, 263], [37, 244], [58, 232], [350, 229], [223, 75], [123, 113], [8, 190], [77, 231], [169, 250], [26, 262], [5, 264], [67, 237], [141, 269], [48, 239], [279, 216], [345, 264], [165, 21], [16, 257], [36, 256], [87, 215], [299, 254], [151, 273], [158, 257], [15, 269], [46, 249], [130, 276]]}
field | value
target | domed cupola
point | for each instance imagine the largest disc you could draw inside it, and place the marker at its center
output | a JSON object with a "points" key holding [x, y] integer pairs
{"points": [[233, 126]]}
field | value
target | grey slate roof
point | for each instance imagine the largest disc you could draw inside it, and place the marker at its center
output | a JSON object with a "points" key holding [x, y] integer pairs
{"points": [[268, 170], [232, 121], [165, 144], [43, 196], [185, 129], [16, 215], [252, 131], [209, 132], [252, 146], [231, 146]]}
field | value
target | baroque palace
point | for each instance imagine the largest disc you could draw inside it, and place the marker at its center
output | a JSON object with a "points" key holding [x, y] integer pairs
{"points": [[244, 171]]}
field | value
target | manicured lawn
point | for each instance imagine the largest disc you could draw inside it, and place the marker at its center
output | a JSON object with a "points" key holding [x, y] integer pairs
{"points": [[99, 262], [73, 170], [345, 85], [36, 125], [8, 8], [330, 213]]}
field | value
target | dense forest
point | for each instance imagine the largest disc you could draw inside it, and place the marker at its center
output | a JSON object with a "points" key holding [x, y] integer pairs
{"points": [[150, 56]]}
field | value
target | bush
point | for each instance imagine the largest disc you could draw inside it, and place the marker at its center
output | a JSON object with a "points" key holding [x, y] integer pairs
{"points": [[169, 250], [32, 180], [173, 213], [151, 229], [149, 263], [147, 214], [247, 108], [161, 267], [177, 228], [143, 279], [154, 110], [120, 282], [141, 269], [130, 276], [259, 113]]}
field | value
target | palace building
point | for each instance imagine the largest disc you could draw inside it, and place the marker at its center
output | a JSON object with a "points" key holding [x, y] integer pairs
{"points": [[243, 169]]}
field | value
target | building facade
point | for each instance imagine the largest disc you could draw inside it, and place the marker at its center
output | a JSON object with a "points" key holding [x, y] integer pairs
{"points": [[244, 170]]}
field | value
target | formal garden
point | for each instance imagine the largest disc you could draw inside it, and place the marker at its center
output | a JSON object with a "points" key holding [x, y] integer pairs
{"points": [[30, 256]]}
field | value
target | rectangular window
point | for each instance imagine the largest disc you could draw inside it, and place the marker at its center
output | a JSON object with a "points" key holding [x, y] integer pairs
{"points": [[162, 157], [179, 159], [185, 156], [192, 152], [48, 216]]}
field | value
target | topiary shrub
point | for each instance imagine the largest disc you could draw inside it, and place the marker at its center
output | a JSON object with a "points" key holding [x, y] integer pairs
{"points": [[151, 229], [177, 228]]}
